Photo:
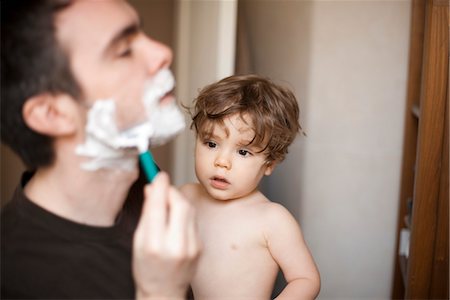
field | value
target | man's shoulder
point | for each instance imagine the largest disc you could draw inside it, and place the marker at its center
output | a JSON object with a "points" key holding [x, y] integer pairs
{"points": [[8, 219]]}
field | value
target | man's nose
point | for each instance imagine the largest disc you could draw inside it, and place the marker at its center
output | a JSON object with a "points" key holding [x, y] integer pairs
{"points": [[157, 55], [223, 160]]}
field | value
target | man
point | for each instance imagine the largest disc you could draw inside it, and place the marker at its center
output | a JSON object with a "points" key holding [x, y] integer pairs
{"points": [[69, 232]]}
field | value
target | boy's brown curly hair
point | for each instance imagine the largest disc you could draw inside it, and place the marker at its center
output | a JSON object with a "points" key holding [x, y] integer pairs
{"points": [[272, 109]]}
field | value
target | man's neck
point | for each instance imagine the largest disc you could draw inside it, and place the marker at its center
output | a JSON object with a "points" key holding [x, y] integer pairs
{"points": [[91, 198]]}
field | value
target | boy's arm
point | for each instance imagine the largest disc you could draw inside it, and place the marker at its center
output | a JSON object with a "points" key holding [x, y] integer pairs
{"points": [[289, 249]]}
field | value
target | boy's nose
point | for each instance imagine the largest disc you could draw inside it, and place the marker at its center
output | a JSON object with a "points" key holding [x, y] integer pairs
{"points": [[222, 161]]}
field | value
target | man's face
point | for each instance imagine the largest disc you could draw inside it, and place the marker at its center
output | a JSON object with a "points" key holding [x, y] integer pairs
{"points": [[110, 56]]}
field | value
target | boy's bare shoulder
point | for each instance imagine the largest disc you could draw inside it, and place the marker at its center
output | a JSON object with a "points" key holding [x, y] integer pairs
{"points": [[277, 217], [274, 210]]}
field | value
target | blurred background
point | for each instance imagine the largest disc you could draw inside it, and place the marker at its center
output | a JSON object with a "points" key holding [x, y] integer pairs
{"points": [[347, 64]]}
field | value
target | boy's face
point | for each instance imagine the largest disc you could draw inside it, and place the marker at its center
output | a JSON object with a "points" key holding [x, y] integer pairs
{"points": [[225, 164], [110, 56]]}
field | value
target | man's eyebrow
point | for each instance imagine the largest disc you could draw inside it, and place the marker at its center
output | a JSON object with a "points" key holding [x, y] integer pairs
{"points": [[123, 34]]}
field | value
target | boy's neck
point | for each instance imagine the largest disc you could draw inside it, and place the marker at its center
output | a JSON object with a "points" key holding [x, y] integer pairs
{"points": [[251, 197], [89, 197]]}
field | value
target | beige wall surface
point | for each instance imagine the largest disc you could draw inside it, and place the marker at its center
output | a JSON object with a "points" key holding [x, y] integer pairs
{"points": [[11, 170], [205, 52], [347, 63]]}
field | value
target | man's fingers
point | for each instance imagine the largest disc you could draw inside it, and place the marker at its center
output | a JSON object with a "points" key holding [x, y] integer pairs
{"points": [[182, 236], [154, 211], [194, 244], [180, 213], [168, 226]]}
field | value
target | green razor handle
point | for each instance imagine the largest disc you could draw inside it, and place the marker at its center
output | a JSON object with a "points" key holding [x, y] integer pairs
{"points": [[148, 165]]}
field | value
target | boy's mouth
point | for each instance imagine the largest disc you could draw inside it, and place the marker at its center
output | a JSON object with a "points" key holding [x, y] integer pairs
{"points": [[219, 182]]}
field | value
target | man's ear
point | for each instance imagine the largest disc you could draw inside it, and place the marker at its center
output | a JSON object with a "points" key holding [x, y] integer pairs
{"points": [[270, 167], [50, 114]]}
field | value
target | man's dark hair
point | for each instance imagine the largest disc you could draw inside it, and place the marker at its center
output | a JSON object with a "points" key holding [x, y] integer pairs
{"points": [[32, 63]]}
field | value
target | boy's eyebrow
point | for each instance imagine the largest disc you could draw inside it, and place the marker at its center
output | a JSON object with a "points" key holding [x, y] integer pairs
{"points": [[245, 142], [123, 34], [211, 135], [250, 144]]}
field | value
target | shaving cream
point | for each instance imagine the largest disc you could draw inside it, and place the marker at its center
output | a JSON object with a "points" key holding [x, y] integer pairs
{"points": [[108, 147]]}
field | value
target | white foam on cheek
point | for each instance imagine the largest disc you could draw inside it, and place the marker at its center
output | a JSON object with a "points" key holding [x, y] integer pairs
{"points": [[103, 142], [107, 147], [166, 120], [158, 86]]}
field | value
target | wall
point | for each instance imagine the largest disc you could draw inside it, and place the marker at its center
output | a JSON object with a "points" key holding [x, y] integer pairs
{"points": [[347, 63], [11, 170], [205, 52]]}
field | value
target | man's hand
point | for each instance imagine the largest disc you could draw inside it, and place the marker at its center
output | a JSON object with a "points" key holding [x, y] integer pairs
{"points": [[166, 245]]}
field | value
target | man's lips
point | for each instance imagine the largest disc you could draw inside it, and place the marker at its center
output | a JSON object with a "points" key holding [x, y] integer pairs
{"points": [[167, 98], [219, 182]]}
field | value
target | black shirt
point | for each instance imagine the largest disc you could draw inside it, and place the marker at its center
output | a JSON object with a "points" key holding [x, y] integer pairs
{"points": [[48, 257]]}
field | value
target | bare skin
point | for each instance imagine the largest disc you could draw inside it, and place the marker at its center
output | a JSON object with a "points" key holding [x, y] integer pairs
{"points": [[245, 236], [244, 241]]}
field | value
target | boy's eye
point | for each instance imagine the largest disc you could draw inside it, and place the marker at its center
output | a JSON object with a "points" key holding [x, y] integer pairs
{"points": [[210, 144], [244, 152]]}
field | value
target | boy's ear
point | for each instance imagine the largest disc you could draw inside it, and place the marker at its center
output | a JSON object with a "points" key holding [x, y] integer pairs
{"points": [[270, 167], [50, 114]]}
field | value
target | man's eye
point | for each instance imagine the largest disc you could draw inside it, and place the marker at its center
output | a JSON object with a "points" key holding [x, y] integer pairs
{"points": [[125, 53], [210, 144], [244, 152]]}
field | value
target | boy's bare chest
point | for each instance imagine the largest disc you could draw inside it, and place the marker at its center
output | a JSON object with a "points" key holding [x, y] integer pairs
{"points": [[235, 251], [230, 230]]}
